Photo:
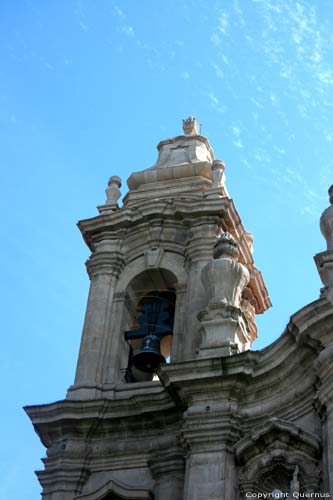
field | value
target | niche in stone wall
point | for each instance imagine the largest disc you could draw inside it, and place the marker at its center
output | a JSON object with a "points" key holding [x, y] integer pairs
{"points": [[152, 300]]}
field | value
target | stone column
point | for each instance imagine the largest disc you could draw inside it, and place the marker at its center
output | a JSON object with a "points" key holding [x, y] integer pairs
{"points": [[324, 368], [103, 268]]}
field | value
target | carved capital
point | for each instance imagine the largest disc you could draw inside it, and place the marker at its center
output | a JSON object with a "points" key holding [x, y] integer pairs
{"points": [[105, 263], [167, 461], [205, 430]]}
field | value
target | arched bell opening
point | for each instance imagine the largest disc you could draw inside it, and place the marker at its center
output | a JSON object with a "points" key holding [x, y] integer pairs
{"points": [[152, 298]]}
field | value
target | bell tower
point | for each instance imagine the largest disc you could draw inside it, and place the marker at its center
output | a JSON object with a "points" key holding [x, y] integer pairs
{"points": [[168, 401], [172, 273]]}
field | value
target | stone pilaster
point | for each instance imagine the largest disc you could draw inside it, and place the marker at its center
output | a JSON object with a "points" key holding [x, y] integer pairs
{"points": [[65, 471], [210, 467], [103, 268], [178, 339], [168, 468], [324, 368], [198, 253]]}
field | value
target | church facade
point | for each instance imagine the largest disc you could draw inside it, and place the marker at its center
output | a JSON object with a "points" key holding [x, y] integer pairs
{"points": [[169, 402]]}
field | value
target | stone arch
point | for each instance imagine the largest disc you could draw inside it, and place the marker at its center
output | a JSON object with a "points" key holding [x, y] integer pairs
{"points": [[172, 262], [115, 490], [272, 451], [156, 270], [153, 261]]}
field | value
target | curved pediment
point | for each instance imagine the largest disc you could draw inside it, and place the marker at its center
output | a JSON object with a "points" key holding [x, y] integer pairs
{"points": [[116, 490], [276, 430]]}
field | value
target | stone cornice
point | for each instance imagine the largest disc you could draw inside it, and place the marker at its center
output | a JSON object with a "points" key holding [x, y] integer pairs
{"points": [[251, 383], [251, 374], [128, 217], [186, 138], [315, 319], [189, 214], [130, 401]]}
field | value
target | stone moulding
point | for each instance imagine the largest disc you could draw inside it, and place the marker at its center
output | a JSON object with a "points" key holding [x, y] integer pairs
{"points": [[120, 490], [276, 426], [201, 169], [185, 212], [184, 149], [277, 444]]}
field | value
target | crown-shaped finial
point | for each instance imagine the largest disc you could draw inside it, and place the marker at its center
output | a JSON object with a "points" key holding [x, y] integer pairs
{"points": [[190, 126], [226, 246]]}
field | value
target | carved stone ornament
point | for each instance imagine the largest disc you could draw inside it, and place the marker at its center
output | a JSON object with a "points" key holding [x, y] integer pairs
{"points": [[226, 246], [223, 324], [224, 277], [294, 485], [324, 260], [113, 192], [190, 126], [218, 168], [326, 222]]}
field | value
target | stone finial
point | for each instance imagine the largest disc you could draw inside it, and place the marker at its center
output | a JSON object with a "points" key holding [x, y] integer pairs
{"points": [[190, 126], [113, 191], [326, 222], [223, 325], [324, 260], [218, 168], [294, 485], [226, 246]]}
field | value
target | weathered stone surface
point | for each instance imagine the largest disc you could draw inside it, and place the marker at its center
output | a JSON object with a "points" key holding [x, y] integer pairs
{"points": [[223, 326], [214, 424], [113, 194]]}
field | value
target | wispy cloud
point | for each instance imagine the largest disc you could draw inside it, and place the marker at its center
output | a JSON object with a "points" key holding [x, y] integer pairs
{"points": [[128, 30], [223, 23]]}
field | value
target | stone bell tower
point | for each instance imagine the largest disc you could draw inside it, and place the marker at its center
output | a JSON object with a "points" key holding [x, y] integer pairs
{"points": [[172, 277], [179, 239]]}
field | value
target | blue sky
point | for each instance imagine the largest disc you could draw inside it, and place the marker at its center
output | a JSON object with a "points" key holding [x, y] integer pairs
{"points": [[87, 90]]}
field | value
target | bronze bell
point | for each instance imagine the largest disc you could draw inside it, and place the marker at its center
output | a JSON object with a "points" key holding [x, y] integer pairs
{"points": [[149, 356]]}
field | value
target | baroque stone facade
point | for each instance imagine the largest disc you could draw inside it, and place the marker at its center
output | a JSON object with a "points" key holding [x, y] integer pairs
{"points": [[218, 421]]}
